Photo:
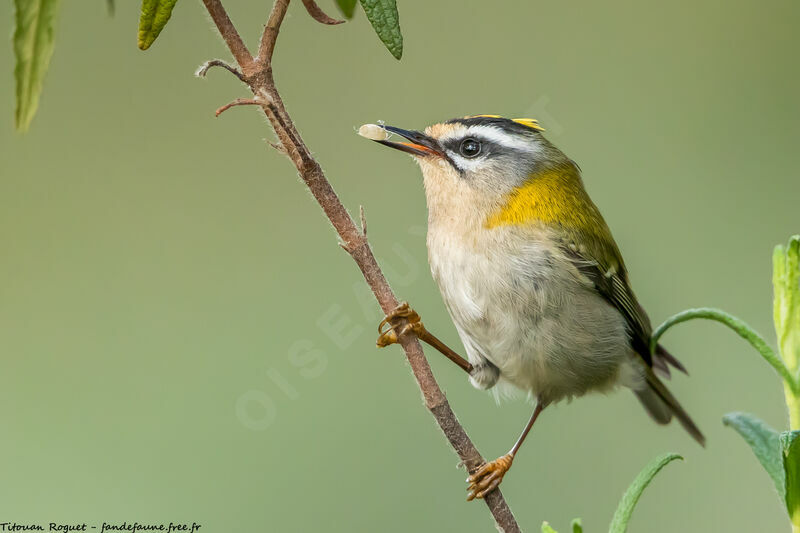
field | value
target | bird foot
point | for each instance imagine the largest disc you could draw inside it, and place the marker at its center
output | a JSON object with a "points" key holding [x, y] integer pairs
{"points": [[403, 319], [488, 477]]}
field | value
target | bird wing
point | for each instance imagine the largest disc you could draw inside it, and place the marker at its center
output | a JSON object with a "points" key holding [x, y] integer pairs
{"points": [[599, 260], [597, 257]]}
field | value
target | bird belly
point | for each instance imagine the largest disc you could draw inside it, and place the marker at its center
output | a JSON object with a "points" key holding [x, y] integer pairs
{"points": [[526, 310]]}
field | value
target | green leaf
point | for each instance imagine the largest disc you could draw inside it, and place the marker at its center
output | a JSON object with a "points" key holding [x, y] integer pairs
{"points": [[765, 443], [347, 7], [547, 529], [383, 16], [786, 283], [577, 526], [738, 326], [111, 7], [619, 524], [155, 15], [34, 39], [790, 447]]}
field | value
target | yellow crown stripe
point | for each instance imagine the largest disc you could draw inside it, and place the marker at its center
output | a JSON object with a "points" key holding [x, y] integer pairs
{"points": [[529, 122]]}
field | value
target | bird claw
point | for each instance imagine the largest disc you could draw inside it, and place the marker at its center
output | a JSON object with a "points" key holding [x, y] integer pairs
{"points": [[397, 328], [488, 477]]}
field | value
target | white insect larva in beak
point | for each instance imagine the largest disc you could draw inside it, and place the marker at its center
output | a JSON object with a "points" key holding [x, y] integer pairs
{"points": [[373, 132]]}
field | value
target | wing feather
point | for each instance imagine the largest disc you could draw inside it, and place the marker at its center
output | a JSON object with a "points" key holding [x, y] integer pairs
{"points": [[610, 279]]}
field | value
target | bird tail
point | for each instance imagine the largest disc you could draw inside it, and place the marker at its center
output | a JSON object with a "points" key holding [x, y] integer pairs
{"points": [[662, 360], [662, 405]]}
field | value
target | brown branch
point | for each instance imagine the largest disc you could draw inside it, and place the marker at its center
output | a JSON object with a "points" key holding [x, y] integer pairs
{"points": [[258, 73], [237, 102], [363, 220], [319, 15], [228, 32], [270, 33], [205, 67]]}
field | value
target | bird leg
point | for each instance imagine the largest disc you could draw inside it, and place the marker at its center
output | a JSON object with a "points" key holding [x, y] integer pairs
{"points": [[402, 320], [488, 477]]}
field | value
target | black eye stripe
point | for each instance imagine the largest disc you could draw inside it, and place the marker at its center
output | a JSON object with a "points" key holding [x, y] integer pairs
{"points": [[487, 147]]}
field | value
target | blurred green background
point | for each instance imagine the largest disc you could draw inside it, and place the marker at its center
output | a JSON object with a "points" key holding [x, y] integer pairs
{"points": [[182, 339]]}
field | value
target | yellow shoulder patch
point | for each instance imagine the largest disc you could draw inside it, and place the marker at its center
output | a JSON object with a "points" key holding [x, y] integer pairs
{"points": [[552, 197]]}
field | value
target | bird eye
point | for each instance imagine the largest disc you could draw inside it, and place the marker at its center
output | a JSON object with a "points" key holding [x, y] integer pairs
{"points": [[470, 148]]}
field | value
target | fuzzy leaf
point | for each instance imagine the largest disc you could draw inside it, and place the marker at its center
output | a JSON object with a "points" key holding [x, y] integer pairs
{"points": [[347, 7], [34, 39], [786, 283], [383, 16], [577, 526], [619, 524], [790, 446], [547, 529], [738, 326], [765, 443], [155, 15]]}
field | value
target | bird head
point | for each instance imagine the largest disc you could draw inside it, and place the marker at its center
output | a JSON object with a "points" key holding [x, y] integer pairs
{"points": [[473, 166]]}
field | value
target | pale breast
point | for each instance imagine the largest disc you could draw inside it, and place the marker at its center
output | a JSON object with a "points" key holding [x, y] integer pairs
{"points": [[494, 292], [523, 307]]}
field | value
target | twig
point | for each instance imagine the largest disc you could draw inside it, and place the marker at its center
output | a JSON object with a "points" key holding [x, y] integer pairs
{"points": [[229, 33], [319, 15], [258, 73], [279, 147], [205, 67], [363, 221], [238, 102], [270, 33]]}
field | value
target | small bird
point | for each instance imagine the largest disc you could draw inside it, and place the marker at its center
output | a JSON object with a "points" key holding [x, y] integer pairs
{"points": [[529, 273]]}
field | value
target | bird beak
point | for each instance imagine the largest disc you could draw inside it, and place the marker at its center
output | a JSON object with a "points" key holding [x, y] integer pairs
{"points": [[420, 145]]}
